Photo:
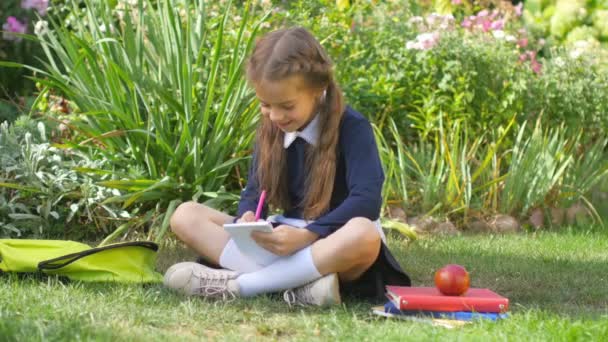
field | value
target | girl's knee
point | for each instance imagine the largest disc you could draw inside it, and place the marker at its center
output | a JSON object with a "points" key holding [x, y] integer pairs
{"points": [[363, 230], [364, 238], [184, 215]]}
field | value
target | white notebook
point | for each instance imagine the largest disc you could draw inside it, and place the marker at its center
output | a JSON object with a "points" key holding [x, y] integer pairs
{"points": [[241, 234]]}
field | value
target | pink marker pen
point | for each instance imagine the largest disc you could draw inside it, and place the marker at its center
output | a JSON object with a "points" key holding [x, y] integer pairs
{"points": [[258, 211]]}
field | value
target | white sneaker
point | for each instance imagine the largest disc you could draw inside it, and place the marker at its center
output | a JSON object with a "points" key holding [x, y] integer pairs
{"points": [[177, 266], [324, 291], [194, 279]]}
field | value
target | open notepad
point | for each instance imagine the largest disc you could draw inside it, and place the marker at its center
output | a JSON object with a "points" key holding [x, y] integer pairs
{"points": [[241, 234]]}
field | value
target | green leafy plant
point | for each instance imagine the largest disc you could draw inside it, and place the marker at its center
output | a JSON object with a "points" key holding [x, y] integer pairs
{"points": [[588, 170], [454, 174], [568, 20], [537, 166], [40, 191], [158, 87], [570, 91]]}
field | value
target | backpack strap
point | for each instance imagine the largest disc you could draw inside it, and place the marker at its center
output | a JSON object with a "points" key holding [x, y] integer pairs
{"points": [[64, 260]]}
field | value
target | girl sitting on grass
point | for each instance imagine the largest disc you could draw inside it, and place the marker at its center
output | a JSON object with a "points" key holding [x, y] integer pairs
{"points": [[319, 163]]}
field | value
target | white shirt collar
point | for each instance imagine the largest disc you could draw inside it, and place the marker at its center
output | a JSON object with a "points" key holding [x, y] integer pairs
{"points": [[310, 133]]}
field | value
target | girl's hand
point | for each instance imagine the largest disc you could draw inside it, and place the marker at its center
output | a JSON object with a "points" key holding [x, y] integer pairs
{"points": [[248, 216], [285, 240]]}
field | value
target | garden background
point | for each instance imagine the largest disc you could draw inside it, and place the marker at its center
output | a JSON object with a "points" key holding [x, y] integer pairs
{"points": [[491, 119], [489, 116]]}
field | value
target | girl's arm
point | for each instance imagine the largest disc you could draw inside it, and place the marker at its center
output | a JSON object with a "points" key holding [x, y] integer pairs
{"points": [[364, 179]]}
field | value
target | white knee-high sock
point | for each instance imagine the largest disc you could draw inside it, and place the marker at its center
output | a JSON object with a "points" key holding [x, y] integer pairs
{"points": [[232, 259], [285, 273]]}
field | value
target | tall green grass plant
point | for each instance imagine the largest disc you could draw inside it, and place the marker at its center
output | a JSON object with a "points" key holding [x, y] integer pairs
{"points": [[160, 95], [459, 176]]}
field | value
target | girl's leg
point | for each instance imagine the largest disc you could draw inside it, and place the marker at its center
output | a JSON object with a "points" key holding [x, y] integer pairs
{"points": [[349, 251], [201, 228]]}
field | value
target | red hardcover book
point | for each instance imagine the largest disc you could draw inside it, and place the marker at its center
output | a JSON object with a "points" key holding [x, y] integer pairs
{"points": [[430, 299]]}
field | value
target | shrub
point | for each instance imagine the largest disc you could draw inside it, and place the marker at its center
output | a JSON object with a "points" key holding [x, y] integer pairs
{"points": [[568, 20], [571, 91], [41, 191]]}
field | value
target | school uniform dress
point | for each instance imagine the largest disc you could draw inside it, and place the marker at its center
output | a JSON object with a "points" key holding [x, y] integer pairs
{"points": [[356, 193]]}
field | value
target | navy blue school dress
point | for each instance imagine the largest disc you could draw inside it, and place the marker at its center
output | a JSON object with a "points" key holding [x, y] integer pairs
{"points": [[356, 193]]}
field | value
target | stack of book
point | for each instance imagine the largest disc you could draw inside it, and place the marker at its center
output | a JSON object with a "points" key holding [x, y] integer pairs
{"points": [[428, 304]]}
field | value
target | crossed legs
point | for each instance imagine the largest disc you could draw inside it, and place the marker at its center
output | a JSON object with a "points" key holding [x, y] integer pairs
{"points": [[349, 251]]}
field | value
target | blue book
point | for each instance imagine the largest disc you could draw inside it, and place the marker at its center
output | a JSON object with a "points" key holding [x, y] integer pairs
{"points": [[390, 308]]}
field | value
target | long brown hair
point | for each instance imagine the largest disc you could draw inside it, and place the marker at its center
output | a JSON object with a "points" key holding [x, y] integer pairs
{"points": [[276, 56]]}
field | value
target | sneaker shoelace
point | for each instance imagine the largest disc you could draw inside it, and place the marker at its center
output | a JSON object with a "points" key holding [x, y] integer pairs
{"points": [[215, 284], [301, 296]]}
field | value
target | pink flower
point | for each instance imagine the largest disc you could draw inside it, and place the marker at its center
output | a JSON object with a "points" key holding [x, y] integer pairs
{"points": [[522, 43], [466, 23], [523, 57], [519, 9], [447, 22], [485, 25], [456, 2], [498, 24], [424, 41], [12, 26], [536, 67], [428, 40], [40, 5], [483, 13]]}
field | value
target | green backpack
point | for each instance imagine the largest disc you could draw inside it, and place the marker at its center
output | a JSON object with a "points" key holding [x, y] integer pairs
{"points": [[128, 262]]}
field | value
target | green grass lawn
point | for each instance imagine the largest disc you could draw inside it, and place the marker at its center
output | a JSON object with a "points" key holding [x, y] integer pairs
{"points": [[556, 282]]}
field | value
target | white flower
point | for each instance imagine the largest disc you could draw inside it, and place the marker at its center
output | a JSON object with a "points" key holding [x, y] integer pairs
{"points": [[416, 20], [432, 18], [413, 45], [428, 40], [580, 47], [449, 18], [576, 53], [41, 27], [510, 38], [498, 34]]}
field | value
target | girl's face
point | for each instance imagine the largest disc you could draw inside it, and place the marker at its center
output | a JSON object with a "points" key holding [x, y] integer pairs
{"points": [[289, 103]]}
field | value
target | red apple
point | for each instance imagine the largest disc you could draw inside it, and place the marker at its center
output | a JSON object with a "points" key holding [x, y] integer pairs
{"points": [[452, 280]]}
